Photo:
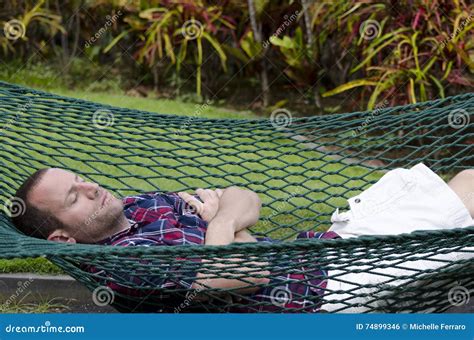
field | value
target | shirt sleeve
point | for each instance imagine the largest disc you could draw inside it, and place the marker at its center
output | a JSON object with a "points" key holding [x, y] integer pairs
{"points": [[154, 276], [179, 205], [168, 273], [183, 214]]}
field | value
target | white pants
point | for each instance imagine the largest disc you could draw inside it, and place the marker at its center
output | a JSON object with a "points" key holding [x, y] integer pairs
{"points": [[402, 201]]}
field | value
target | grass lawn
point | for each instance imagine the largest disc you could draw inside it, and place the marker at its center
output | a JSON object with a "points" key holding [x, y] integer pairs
{"points": [[41, 265], [158, 105], [317, 182], [33, 308]]}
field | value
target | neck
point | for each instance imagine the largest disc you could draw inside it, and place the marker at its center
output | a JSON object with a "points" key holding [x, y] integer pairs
{"points": [[122, 224], [119, 225]]}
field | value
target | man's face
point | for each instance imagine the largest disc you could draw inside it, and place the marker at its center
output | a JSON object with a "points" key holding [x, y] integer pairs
{"points": [[89, 211]]}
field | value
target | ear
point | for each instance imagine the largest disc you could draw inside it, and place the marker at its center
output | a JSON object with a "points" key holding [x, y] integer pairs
{"points": [[61, 236]]}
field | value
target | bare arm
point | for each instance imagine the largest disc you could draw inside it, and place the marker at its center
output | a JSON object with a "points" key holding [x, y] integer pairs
{"points": [[244, 236], [238, 209]]}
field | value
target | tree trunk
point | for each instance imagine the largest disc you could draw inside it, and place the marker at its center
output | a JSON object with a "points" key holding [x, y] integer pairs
{"points": [[76, 35], [309, 46], [64, 42], [156, 78], [307, 22], [257, 33]]}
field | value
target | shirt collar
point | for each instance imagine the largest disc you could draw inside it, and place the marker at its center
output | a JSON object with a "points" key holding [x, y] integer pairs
{"points": [[108, 240]]}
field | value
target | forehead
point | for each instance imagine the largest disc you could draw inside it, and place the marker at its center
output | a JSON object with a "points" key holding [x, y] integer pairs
{"points": [[52, 188]]}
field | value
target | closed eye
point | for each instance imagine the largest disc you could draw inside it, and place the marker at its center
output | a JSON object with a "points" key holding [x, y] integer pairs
{"points": [[78, 179]]}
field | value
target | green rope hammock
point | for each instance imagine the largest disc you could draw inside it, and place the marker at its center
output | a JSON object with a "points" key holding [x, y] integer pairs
{"points": [[303, 170]]}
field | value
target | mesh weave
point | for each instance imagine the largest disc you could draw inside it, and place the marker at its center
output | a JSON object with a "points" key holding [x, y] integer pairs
{"points": [[302, 168]]}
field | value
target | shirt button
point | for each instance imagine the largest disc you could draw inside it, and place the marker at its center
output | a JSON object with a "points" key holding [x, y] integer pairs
{"points": [[357, 200]]}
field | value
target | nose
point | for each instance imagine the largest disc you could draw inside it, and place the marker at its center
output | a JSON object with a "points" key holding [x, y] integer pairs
{"points": [[90, 189]]}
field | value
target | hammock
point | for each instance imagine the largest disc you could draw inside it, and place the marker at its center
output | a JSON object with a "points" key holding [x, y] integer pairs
{"points": [[303, 169]]}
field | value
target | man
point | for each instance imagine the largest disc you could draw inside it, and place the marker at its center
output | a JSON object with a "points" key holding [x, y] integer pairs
{"points": [[62, 207]]}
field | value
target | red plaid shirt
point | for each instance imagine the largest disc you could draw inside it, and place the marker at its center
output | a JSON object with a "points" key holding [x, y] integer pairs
{"points": [[161, 219]]}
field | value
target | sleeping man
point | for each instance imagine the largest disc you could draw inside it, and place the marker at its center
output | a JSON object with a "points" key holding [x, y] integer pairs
{"points": [[63, 207]]}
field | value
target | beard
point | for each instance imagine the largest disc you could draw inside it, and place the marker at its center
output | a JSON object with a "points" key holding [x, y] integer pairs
{"points": [[102, 224]]}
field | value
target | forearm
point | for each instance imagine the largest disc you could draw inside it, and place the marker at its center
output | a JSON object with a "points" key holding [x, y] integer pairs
{"points": [[242, 280], [239, 208], [222, 232], [244, 236], [225, 236]]}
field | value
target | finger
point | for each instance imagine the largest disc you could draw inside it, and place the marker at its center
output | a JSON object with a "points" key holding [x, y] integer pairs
{"points": [[219, 192], [192, 201], [185, 196], [212, 194], [203, 194]]}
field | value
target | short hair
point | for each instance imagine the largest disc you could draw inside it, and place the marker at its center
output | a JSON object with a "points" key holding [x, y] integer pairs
{"points": [[33, 221]]}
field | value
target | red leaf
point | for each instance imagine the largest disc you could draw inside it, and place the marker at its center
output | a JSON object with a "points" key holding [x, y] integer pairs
{"points": [[418, 15]]}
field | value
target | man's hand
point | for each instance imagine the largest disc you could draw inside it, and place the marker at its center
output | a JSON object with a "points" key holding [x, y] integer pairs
{"points": [[230, 214], [238, 209], [209, 206]]}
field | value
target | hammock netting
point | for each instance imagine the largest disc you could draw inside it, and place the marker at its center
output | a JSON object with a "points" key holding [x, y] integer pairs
{"points": [[302, 169]]}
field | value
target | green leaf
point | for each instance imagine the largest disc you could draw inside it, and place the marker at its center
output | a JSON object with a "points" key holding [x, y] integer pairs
{"points": [[422, 92], [236, 52], [285, 42], [250, 46], [373, 53], [148, 13], [181, 55], [218, 48], [430, 63], [382, 85], [415, 49], [349, 85], [169, 48], [412, 91], [438, 85], [448, 70], [260, 6], [115, 40]]}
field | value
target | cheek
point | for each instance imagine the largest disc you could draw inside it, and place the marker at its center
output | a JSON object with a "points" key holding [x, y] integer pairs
{"points": [[86, 212], [113, 205]]}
